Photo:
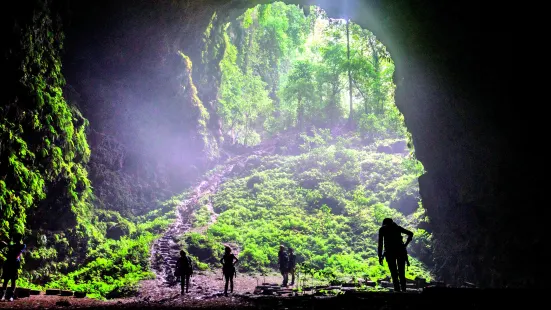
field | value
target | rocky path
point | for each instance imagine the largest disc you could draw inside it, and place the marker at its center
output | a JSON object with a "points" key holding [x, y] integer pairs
{"points": [[165, 251]]}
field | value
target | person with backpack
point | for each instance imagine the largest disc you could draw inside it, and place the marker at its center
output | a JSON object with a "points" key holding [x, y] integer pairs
{"points": [[283, 261], [228, 268], [292, 265], [12, 265], [395, 251], [184, 269]]}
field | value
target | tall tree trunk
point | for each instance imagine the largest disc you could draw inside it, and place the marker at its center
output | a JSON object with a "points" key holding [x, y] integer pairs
{"points": [[249, 47], [376, 68], [350, 116], [300, 114]]}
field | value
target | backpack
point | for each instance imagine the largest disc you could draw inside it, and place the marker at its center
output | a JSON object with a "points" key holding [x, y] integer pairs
{"points": [[283, 260], [187, 266]]}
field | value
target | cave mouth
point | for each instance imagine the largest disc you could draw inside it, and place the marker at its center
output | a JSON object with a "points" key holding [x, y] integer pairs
{"points": [[284, 66], [461, 133], [278, 68]]}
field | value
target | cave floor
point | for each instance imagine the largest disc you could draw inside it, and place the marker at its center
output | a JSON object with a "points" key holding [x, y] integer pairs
{"points": [[436, 299]]}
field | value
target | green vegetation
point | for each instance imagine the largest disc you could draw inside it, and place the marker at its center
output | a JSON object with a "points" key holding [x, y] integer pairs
{"points": [[116, 263], [283, 69], [327, 203]]}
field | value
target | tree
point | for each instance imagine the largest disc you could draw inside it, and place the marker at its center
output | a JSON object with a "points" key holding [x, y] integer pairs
{"points": [[350, 117], [300, 89], [243, 99]]}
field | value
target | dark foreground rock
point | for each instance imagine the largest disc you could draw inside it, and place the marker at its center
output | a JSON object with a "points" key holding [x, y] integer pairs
{"points": [[432, 298]]}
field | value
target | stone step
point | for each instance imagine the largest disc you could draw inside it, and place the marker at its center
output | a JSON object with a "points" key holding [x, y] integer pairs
{"points": [[53, 292], [22, 292], [386, 284], [35, 292], [80, 294], [370, 283], [66, 293]]}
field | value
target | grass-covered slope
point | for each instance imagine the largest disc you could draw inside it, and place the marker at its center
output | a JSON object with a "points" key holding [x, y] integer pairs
{"points": [[327, 203]]}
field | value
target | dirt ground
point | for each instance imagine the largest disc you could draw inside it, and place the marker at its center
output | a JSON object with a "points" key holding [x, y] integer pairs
{"points": [[206, 291]]}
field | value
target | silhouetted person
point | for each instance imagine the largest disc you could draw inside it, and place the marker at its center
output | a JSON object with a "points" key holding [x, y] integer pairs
{"points": [[12, 265], [228, 268], [395, 251], [184, 268], [283, 261], [292, 265]]}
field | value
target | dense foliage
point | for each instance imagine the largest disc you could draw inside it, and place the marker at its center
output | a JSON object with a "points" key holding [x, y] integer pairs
{"points": [[284, 69], [327, 203]]}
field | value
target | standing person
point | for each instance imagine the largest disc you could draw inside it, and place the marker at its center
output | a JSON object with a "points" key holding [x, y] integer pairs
{"points": [[283, 261], [12, 265], [292, 265], [395, 251], [184, 268], [228, 268]]}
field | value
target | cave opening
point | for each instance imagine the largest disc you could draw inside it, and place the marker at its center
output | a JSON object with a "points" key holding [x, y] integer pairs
{"points": [[148, 77], [277, 77]]}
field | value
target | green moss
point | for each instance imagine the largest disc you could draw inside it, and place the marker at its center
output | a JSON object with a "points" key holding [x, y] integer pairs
{"points": [[199, 113]]}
